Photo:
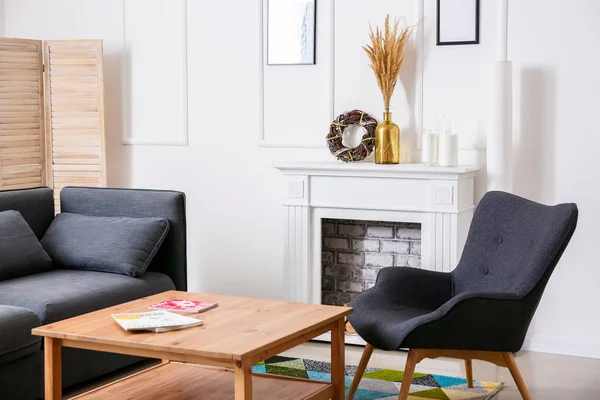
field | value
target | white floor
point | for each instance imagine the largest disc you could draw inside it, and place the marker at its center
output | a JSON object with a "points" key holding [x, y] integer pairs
{"points": [[548, 376]]}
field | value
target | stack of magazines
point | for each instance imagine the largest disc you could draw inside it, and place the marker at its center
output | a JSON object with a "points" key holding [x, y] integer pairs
{"points": [[155, 321]]}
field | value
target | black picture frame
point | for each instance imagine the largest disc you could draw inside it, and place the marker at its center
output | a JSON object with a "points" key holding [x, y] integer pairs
{"points": [[439, 41]]}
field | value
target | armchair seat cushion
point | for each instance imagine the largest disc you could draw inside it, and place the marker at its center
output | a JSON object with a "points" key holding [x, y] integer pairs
{"points": [[16, 340], [61, 294]]}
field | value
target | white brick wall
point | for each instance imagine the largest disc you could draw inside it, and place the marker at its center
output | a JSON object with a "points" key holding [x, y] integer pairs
{"points": [[355, 251]]}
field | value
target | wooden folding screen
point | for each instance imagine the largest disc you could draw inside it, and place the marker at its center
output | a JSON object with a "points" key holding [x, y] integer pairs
{"points": [[74, 91], [22, 153], [66, 147]]}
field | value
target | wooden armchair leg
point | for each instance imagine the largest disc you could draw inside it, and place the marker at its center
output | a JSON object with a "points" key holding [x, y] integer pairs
{"points": [[516, 374], [409, 371], [469, 372], [362, 366]]}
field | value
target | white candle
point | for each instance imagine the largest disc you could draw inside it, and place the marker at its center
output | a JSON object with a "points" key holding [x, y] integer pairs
{"points": [[448, 150], [429, 148]]}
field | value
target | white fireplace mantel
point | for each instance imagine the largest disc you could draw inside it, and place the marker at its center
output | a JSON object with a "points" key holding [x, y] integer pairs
{"points": [[441, 199]]}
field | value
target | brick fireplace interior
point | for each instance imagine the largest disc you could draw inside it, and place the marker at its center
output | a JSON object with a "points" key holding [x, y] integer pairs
{"points": [[354, 251]]}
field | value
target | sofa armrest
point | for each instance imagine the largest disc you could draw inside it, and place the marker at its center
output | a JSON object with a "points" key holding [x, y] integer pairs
{"points": [[171, 258]]}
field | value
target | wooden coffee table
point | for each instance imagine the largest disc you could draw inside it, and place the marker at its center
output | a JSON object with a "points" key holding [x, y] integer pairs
{"points": [[213, 361]]}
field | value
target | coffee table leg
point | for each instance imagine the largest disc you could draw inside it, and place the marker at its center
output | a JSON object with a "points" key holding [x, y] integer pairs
{"points": [[243, 380], [337, 359], [52, 369]]}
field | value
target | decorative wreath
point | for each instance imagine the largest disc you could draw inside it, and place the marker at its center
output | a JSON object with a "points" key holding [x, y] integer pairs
{"points": [[336, 132]]}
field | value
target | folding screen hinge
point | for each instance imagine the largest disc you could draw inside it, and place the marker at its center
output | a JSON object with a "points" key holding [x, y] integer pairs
{"points": [[43, 67]]}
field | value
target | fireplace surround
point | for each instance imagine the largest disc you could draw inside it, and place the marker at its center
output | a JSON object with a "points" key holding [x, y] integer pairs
{"points": [[440, 199]]}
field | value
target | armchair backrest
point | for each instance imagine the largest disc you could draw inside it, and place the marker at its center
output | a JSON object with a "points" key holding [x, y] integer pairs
{"points": [[36, 205], [513, 245]]}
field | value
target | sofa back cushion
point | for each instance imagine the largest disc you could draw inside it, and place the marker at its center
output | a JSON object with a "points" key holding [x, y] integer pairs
{"points": [[20, 250], [36, 205], [171, 259], [120, 245]]}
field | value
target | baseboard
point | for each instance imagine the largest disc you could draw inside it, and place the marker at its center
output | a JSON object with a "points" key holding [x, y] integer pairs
{"points": [[565, 347]]}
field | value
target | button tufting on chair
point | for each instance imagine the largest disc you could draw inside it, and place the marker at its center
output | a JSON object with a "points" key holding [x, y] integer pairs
{"points": [[500, 240]]}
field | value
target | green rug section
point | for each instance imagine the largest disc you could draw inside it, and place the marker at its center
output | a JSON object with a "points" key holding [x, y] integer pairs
{"points": [[383, 384]]}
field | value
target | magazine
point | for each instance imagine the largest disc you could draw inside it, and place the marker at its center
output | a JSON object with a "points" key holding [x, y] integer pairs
{"points": [[155, 321], [183, 306]]}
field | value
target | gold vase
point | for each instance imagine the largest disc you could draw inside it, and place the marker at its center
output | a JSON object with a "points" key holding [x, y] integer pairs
{"points": [[387, 141]]}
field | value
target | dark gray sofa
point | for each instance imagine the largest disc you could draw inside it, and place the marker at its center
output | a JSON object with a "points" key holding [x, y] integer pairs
{"points": [[42, 298]]}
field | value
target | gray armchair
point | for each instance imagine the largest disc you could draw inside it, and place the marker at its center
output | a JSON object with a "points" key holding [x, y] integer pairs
{"points": [[483, 308]]}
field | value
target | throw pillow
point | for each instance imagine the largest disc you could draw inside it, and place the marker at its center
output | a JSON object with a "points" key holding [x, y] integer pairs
{"points": [[20, 250], [119, 245]]}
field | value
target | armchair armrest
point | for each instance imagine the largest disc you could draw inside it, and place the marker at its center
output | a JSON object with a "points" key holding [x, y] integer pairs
{"points": [[415, 287], [171, 258]]}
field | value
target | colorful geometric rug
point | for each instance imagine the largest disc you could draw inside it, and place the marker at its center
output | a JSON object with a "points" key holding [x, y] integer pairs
{"points": [[382, 384]]}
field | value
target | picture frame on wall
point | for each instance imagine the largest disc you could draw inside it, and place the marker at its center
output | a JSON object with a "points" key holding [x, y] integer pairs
{"points": [[457, 22], [291, 32]]}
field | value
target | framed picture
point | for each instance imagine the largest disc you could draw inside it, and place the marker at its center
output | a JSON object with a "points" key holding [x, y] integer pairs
{"points": [[457, 22], [291, 32]]}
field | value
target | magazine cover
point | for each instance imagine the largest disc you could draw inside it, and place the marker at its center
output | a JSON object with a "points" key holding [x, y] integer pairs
{"points": [[184, 306]]}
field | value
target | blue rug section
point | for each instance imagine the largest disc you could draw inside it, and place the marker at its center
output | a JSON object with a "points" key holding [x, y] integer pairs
{"points": [[445, 381], [260, 369], [326, 377], [362, 394]]}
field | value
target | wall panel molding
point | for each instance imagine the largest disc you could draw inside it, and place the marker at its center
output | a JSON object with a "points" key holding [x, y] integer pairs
{"points": [[149, 58], [420, 71], [266, 139]]}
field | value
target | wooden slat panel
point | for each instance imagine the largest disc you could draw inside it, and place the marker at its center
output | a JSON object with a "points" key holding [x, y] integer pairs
{"points": [[9, 55], [20, 117], [18, 65], [18, 96], [20, 169], [17, 150], [22, 142], [28, 139], [20, 155], [15, 105], [21, 161], [17, 72], [75, 114]]}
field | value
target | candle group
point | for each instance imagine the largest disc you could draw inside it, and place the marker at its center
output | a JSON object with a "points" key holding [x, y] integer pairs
{"points": [[440, 147]]}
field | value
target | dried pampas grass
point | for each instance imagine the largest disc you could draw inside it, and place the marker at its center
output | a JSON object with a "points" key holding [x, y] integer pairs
{"points": [[386, 53]]}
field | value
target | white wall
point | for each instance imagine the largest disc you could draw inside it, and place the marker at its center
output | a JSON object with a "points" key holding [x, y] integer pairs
{"points": [[234, 213], [557, 147]]}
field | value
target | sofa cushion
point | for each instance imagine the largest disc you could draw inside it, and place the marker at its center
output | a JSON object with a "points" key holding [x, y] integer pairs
{"points": [[36, 205], [119, 245], [20, 250], [59, 294], [16, 341]]}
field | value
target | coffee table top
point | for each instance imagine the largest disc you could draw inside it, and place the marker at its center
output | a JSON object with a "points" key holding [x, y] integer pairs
{"points": [[239, 328]]}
